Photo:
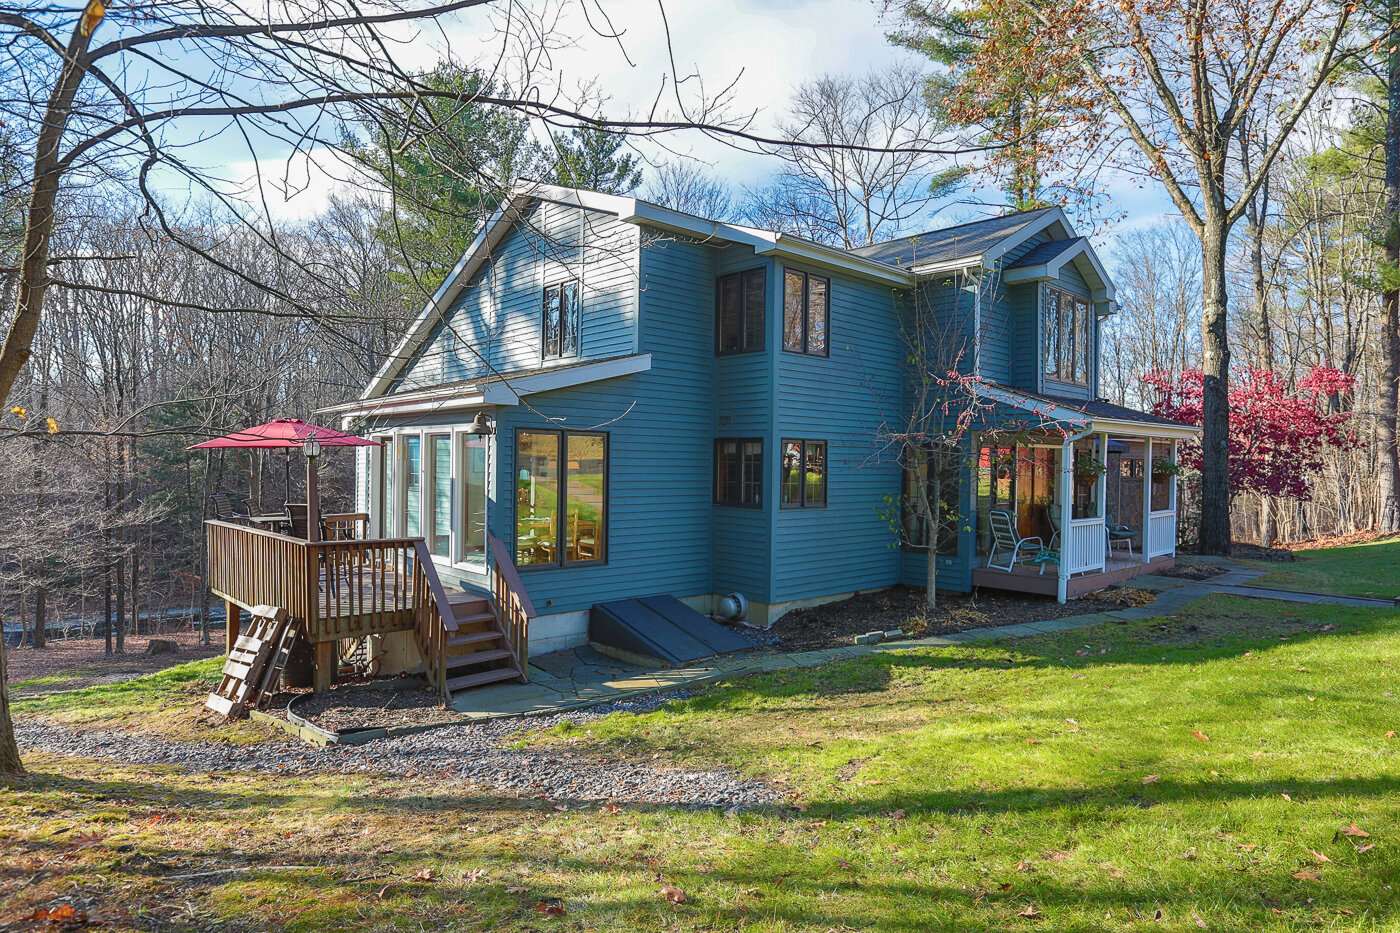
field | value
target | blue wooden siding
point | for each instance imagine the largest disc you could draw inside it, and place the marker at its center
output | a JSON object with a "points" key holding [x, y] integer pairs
{"points": [[496, 317], [848, 400], [659, 525]]}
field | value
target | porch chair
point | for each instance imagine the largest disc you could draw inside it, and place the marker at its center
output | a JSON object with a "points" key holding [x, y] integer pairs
{"points": [[222, 504], [1118, 534], [1006, 538]]}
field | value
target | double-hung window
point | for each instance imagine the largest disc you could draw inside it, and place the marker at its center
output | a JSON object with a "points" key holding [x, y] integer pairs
{"points": [[560, 326], [739, 471], [806, 313], [804, 474], [740, 299], [1067, 329], [561, 498]]}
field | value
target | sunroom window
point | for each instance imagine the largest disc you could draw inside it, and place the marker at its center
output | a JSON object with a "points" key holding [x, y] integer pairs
{"points": [[561, 498]]}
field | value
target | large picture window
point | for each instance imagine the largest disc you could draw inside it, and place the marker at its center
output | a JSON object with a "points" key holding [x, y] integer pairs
{"points": [[806, 313], [804, 474], [561, 498], [741, 298], [1067, 328], [561, 320], [739, 471]]}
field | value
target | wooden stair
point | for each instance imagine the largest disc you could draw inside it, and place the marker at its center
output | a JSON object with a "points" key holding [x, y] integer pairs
{"points": [[478, 652]]}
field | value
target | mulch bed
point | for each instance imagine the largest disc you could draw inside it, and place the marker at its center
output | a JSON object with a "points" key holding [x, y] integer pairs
{"points": [[81, 662], [1189, 570], [835, 625], [1358, 537], [405, 702]]}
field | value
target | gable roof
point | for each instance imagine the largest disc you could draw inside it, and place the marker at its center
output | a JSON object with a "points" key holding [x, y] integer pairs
{"points": [[1045, 260], [964, 243]]}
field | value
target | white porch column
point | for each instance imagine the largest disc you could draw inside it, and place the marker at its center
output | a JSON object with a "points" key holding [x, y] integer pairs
{"points": [[1066, 489], [1146, 495], [1175, 517]]}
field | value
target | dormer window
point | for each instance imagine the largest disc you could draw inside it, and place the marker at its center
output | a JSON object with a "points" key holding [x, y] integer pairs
{"points": [[1066, 329], [560, 325]]}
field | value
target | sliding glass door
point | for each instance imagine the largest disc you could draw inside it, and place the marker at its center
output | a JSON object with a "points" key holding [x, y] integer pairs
{"points": [[439, 482], [472, 470]]}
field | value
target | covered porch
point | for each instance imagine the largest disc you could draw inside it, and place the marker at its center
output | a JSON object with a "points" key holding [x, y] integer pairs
{"points": [[1086, 500]]}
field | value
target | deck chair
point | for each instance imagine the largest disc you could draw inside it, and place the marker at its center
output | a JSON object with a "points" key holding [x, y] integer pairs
{"points": [[296, 517], [1118, 534], [224, 511], [1006, 539]]}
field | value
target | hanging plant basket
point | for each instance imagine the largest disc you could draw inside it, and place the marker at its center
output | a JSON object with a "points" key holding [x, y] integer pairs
{"points": [[1163, 468], [1085, 479], [1087, 471]]}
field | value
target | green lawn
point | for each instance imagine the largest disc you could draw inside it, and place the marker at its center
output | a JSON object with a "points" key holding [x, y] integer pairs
{"points": [[1198, 772], [1371, 569]]}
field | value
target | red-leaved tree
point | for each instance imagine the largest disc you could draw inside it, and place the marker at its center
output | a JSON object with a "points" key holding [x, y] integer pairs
{"points": [[1278, 432]]}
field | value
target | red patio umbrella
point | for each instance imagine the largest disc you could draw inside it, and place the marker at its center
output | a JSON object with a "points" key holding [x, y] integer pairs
{"points": [[287, 433]]}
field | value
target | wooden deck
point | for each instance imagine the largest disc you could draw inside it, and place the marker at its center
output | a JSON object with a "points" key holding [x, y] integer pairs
{"points": [[1028, 579]]}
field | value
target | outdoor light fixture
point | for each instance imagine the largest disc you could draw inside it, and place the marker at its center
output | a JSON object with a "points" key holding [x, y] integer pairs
{"points": [[480, 427], [311, 447]]}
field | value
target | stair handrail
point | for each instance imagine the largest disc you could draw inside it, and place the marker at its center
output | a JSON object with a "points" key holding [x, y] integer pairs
{"points": [[432, 617], [514, 609]]}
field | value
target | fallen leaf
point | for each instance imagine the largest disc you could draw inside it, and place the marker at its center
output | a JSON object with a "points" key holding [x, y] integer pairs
{"points": [[1024, 866], [1286, 797], [426, 874], [611, 809], [1247, 846], [1152, 779], [844, 864], [1319, 856], [1200, 735], [1390, 734], [551, 910], [1352, 830], [1029, 912], [673, 894], [517, 890], [1366, 848], [898, 814], [1307, 876], [475, 874], [1312, 699], [1032, 741]]}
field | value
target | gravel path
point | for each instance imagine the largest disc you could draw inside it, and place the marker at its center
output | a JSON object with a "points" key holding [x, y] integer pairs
{"points": [[473, 753]]}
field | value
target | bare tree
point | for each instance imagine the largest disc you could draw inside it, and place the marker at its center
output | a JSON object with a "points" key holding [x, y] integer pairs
{"points": [[689, 187], [869, 167]]}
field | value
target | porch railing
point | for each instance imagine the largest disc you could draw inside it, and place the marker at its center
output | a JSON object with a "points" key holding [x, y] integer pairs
{"points": [[1086, 547], [513, 605], [1160, 539], [433, 621]]}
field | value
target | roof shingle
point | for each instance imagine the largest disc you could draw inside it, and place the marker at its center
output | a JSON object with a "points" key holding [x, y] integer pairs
{"points": [[950, 243]]}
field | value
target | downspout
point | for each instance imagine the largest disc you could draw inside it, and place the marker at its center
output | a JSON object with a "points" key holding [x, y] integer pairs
{"points": [[977, 326], [1066, 509]]}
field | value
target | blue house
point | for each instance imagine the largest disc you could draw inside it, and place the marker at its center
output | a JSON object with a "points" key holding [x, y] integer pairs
{"points": [[607, 398]]}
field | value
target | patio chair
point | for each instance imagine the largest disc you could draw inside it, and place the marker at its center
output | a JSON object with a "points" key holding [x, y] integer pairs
{"points": [[296, 517], [1005, 538], [1118, 534], [224, 511]]}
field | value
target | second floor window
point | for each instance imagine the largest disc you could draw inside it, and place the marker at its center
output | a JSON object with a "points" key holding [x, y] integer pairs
{"points": [[741, 297], [1067, 330], [561, 319], [806, 313], [739, 471]]}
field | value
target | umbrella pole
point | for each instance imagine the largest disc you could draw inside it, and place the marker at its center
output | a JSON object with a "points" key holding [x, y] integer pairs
{"points": [[313, 502]]}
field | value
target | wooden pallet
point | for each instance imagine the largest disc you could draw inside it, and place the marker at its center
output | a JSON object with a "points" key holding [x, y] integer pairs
{"points": [[254, 664]]}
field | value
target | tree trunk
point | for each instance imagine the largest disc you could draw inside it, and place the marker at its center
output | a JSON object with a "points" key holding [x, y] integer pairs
{"points": [[9, 751], [1388, 455], [1215, 394], [120, 562], [107, 568], [33, 275], [39, 637]]}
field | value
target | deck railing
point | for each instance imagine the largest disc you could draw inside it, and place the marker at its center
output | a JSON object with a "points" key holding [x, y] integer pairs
{"points": [[513, 605], [433, 621], [339, 589]]}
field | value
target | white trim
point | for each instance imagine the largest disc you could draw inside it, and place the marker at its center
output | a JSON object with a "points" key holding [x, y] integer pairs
{"points": [[505, 391]]}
